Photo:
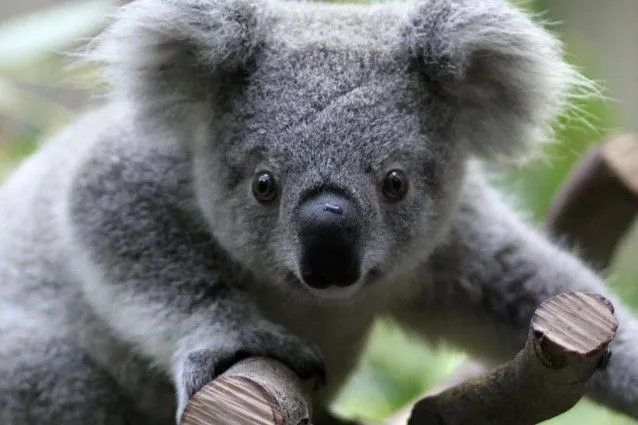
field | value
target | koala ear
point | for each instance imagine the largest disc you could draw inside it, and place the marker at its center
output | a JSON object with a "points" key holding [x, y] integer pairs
{"points": [[168, 52], [501, 76]]}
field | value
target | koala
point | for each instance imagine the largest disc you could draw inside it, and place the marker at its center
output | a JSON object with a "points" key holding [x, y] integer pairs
{"points": [[269, 177]]}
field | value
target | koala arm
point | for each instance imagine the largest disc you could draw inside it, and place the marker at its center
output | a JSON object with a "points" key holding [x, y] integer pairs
{"points": [[152, 271], [484, 283]]}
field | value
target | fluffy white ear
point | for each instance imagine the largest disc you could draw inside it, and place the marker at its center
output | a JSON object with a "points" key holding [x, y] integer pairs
{"points": [[502, 77], [164, 53]]}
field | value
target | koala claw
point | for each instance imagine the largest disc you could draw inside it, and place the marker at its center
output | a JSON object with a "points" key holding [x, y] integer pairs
{"points": [[303, 357], [201, 366]]}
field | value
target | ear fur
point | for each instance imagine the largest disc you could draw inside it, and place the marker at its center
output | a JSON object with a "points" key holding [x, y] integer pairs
{"points": [[166, 53], [503, 75]]}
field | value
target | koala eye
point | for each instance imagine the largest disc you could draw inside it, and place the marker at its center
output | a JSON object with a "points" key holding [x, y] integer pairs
{"points": [[264, 187], [395, 185]]}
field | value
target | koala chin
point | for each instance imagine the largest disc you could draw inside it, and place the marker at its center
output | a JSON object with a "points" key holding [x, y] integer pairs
{"points": [[269, 177]]}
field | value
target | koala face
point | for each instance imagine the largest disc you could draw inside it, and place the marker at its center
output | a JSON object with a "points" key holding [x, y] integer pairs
{"points": [[334, 194], [328, 166], [330, 140]]}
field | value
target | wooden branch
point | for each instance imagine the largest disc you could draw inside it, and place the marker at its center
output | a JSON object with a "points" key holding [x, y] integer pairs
{"points": [[598, 202], [256, 391], [567, 343]]}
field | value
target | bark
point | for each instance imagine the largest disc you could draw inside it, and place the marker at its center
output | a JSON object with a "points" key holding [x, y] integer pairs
{"points": [[601, 192], [255, 391], [567, 343]]}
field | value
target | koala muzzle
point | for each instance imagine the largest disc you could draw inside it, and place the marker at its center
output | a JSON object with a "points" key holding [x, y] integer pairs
{"points": [[329, 232]]}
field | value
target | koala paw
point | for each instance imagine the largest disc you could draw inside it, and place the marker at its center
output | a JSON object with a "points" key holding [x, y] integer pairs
{"points": [[200, 366]]}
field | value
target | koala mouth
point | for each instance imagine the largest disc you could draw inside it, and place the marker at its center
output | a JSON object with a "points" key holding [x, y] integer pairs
{"points": [[370, 278]]}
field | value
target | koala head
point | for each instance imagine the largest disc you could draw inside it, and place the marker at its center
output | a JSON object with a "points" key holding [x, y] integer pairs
{"points": [[330, 141]]}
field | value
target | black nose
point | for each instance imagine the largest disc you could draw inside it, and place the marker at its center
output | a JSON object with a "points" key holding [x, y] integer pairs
{"points": [[329, 230]]}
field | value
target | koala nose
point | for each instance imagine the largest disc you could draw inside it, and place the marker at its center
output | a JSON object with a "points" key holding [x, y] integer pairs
{"points": [[329, 230]]}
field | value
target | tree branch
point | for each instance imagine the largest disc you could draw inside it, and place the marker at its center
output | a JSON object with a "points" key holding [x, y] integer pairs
{"points": [[256, 391], [567, 343], [601, 192]]}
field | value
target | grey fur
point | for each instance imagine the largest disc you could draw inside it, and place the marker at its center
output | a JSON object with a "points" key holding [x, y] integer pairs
{"points": [[132, 246]]}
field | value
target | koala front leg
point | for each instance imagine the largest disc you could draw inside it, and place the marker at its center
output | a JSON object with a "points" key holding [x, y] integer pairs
{"points": [[207, 350], [484, 285], [152, 271]]}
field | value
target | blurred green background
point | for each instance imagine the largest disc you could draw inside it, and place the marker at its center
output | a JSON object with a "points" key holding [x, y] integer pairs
{"points": [[39, 93]]}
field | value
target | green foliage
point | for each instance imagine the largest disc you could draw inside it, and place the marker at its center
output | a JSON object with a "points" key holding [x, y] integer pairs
{"points": [[396, 368]]}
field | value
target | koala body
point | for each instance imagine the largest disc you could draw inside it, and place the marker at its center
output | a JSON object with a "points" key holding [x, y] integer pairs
{"points": [[268, 178]]}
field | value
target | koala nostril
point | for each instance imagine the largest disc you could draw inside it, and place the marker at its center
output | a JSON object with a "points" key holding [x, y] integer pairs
{"points": [[329, 227]]}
